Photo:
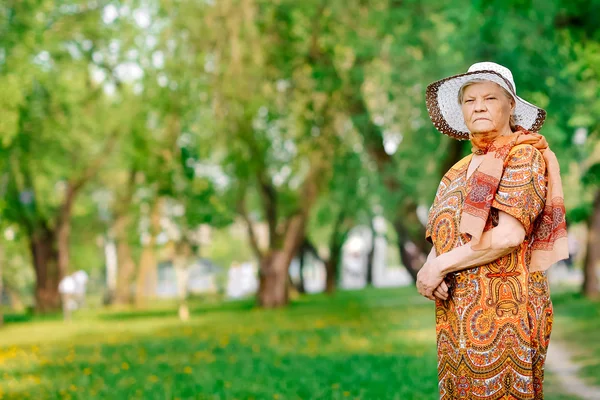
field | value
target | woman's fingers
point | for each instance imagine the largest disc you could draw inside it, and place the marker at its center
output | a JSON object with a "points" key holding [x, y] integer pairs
{"points": [[444, 286], [440, 293]]}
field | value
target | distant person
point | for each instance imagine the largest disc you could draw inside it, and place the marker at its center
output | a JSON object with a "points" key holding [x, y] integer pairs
{"points": [[72, 289], [67, 289], [496, 224]]}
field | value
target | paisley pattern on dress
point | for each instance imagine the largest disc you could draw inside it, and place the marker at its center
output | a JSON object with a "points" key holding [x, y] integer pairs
{"points": [[494, 329]]}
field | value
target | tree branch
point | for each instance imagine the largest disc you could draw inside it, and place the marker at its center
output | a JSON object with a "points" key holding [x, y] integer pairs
{"points": [[241, 207], [268, 194], [309, 246], [96, 164]]}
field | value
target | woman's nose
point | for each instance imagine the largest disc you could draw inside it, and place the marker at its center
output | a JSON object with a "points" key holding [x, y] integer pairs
{"points": [[480, 105]]}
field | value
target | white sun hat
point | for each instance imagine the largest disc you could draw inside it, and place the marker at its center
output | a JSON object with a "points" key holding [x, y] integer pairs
{"points": [[446, 113]]}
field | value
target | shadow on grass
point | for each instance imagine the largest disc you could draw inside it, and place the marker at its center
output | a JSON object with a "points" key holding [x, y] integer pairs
{"points": [[10, 318], [341, 300], [195, 309]]}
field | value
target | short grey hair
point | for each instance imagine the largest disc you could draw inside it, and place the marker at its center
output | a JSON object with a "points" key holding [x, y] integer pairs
{"points": [[461, 93]]}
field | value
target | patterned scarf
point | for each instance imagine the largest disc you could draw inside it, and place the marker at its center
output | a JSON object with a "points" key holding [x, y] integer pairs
{"points": [[549, 243]]}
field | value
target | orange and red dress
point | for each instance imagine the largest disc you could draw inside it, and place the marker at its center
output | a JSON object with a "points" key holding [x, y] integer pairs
{"points": [[494, 329]]}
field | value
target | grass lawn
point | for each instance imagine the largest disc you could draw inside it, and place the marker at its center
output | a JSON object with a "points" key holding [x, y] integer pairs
{"points": [[370, 344], [579, 327]]}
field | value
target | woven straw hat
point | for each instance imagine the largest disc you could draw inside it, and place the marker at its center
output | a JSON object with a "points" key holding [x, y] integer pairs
{"points": [[446, 113]]}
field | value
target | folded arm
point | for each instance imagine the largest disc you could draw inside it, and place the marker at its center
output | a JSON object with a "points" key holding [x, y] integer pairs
{"points": [[505, 237]]}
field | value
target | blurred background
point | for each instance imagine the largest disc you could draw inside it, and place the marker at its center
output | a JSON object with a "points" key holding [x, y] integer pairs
{"points": [[227, 198]]}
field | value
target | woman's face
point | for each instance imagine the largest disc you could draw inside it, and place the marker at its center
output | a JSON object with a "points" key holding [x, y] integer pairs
{"points": [[486, 108]]}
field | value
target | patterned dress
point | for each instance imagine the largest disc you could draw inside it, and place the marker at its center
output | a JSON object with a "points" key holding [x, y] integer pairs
{"points": [[494, 329]]}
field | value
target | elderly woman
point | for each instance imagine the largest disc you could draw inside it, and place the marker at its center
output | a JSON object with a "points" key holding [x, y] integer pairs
{"points": [[496, 224]]}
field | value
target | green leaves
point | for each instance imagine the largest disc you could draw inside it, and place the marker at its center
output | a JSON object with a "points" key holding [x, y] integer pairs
{"points": [[592, 176], [11, 99]]}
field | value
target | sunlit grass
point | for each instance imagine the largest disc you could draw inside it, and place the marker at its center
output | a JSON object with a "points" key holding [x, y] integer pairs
{"points": [[579, 320], [370, 344]]}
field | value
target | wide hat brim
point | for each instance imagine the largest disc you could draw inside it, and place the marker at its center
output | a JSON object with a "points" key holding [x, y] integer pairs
{"points": [[446, 113]]}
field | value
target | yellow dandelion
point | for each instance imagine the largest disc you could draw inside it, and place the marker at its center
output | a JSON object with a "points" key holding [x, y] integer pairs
{"points": [[346, 394], [87, 371], [125, 366], [187, 370]]}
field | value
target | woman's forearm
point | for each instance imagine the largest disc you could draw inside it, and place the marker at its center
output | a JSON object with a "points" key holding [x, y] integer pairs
{"points": [[465, 257], [432, 254]]}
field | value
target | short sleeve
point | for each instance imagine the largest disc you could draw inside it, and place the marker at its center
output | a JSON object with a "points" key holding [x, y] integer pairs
{"points": [[441, 188], [522, 189]]}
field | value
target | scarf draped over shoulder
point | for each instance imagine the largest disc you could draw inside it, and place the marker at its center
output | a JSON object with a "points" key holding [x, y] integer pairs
{"points": [[549, 233]]}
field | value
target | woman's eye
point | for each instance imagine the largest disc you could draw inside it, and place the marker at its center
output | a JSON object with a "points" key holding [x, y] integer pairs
{"points": [[491, 98], [468, 101]]}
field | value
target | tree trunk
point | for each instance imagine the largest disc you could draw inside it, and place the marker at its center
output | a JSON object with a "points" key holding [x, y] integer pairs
{"points": [[126, 269], [273, 276], [332, 269], [302, 259], [338, 236], [63, 231], [16, 304], [120, 230], [370, 255], [125, 273], [50, 254], [411, 256], [1, 287], [45, 261], [182, 255], [147, 275], [273, 289], [145, 288], [591, 287]]}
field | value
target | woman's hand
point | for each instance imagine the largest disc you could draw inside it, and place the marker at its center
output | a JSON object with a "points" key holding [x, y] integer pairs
{"points": [[429, 281], [441, 292]]}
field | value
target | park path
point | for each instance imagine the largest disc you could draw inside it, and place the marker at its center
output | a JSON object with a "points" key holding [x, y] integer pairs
{"points": [[565, 371]]}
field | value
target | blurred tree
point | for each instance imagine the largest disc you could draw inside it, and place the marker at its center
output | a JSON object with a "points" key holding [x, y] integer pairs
{"points": [[57, 147], [578, 23], [275, 102], [168, 168], [1, 284], [350, 198]]}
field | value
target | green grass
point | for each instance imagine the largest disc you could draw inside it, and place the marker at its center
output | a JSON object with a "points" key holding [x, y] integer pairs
{"points": [[370, 344], [579, 327]]}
